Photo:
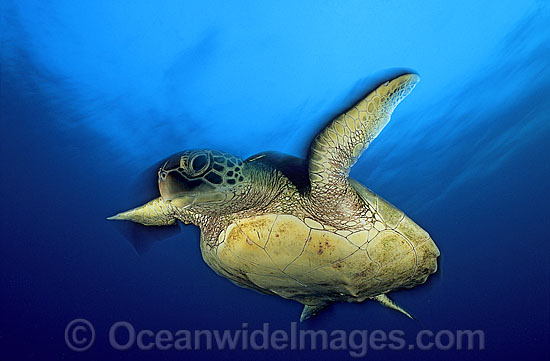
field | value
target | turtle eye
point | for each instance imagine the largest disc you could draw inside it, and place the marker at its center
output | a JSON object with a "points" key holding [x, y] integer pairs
{"points": [[198, 165]]}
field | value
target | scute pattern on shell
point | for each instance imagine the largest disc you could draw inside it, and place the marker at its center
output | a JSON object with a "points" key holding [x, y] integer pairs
{"points": [[281, 254]]}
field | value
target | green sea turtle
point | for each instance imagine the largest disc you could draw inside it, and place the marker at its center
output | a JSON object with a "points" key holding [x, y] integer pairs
{"points": [[300, 229]]}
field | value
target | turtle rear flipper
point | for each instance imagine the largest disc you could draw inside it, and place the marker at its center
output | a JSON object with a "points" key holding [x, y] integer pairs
{"points": [[389, 303], [310, 311], [338, 146]]}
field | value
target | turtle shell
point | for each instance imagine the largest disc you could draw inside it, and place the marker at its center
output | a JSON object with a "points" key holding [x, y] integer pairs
{"points": [[301, 259]]}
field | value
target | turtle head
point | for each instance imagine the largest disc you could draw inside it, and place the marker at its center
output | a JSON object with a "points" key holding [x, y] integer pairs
{"points": [[202, 181]]}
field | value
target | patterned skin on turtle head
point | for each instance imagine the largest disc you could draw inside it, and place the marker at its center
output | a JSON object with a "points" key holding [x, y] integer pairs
{"points": [[201, 179]]}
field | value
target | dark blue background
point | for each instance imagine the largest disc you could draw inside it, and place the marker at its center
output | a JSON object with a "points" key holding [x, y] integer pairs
{"points": [[94, 93]]}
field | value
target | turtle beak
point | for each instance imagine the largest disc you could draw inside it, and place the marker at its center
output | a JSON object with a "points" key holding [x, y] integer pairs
{"points": [[182, 193], [170, 186], [172, 189]]}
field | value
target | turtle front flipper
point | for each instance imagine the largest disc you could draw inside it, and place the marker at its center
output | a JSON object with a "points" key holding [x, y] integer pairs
{"points": [[154, 213], [337, 147]]}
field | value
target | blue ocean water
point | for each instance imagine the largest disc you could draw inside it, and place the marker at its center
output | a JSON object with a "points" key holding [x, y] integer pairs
{"points": [[93, 94]]}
